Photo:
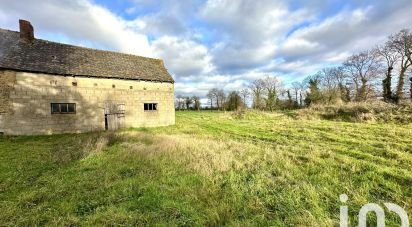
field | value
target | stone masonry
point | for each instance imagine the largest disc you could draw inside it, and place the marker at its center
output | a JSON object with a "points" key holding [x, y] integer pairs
{"points": [[25, 102], [7, 81]]}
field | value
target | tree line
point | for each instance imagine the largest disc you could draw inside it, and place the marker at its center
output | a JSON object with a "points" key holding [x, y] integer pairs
{"points": [[217, 98], [368, 74], [381, 72]]}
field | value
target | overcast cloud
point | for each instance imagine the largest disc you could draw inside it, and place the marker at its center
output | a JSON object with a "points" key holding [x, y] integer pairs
{"points": [[218, 43]]}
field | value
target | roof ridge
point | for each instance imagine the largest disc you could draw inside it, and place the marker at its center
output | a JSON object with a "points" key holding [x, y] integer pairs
{"points": [[7, 30]]}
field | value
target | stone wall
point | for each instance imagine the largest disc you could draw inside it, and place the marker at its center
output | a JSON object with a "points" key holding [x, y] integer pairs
{"points": [[32, 94], [7, 81]]}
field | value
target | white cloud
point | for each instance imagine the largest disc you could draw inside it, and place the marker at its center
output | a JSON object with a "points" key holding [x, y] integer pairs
{"points": [[80, 20], [184, 57], [249, 31], [332, 40], [162, 24], [322, 37]]}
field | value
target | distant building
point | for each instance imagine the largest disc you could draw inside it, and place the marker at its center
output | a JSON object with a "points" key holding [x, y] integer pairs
{"points": [[48, 87]]}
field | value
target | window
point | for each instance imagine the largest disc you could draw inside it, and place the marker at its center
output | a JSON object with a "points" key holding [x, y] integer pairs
{"points": [[63, 108], [150, 106]]}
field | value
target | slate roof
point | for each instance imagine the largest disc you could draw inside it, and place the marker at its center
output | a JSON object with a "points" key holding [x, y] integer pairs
{"points": [[55, 58]]}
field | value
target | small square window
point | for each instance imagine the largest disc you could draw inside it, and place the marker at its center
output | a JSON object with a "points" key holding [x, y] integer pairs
{"points": [[150, 106], [131, 87]]}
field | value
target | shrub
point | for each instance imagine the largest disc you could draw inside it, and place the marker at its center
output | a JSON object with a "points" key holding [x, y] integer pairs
{"points": [[238, 114], [359, 112]]}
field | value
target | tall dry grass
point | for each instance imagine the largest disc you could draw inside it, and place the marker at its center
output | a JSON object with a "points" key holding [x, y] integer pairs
{"points": [[374, 111]]}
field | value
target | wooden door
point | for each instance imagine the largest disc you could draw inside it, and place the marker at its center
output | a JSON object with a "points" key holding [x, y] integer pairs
{"points": [[114, 115]]}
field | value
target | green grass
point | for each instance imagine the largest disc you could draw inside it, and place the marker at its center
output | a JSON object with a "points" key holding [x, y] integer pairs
{"points": [[209, 169]]}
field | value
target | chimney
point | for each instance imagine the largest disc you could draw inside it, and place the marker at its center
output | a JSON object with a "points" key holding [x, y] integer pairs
{"points": [[26, 31]]}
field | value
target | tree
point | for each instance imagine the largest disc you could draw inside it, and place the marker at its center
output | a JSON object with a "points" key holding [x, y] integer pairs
{"points": [[221, 97], [180, 102], [297, 88], [216, 94], [257, 88], [389, 56], [340, 79], [210, 96], [330, 84], [302, 93], [314, 95], [245, 94], [402, 44], [272, 87], [234, 101], [363, 68], [289, 103], [410, 91], [196, 102], [188, 102]]}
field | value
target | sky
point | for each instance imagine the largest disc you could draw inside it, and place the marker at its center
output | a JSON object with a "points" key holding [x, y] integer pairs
{"points": [[218, 43]]}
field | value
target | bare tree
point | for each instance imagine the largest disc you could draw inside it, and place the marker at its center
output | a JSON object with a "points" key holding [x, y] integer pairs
{"points": [[390, 56], [188, 102], [214, 92], [180, 102], [245, 92], [343, 80], [196, 102], [297, 89], [257, 88], [334, 84], [219, 96], [210, 96], [329, 84], [363, 68], [410, 90], [302, 95], [177, 107], [402, 44]]}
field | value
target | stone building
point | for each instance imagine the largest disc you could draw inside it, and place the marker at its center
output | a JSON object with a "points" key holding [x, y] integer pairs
{"points": [[48, 87]]}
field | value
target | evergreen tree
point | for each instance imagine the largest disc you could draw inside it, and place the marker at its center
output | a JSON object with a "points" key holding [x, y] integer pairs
{"points": [[314, 95]]}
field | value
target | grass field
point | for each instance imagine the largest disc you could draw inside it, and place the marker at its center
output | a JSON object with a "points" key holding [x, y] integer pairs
{"points": [[208, 169]]}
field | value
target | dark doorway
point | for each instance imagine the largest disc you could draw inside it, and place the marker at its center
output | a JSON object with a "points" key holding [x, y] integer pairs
{"points": [[106, 123]]}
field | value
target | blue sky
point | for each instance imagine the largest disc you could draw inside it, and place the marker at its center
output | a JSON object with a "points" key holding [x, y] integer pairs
{"points": [[218, 43]]}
